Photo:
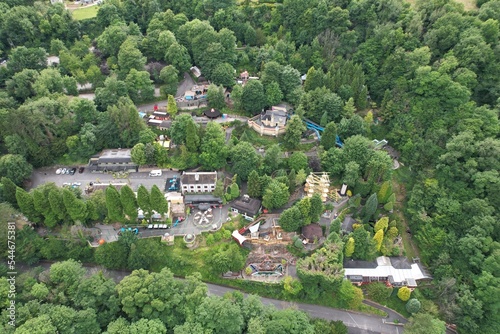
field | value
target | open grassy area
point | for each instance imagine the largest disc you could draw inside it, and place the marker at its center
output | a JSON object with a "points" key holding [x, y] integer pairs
{"points": [[85, 12], [403, 179], [468, 4], [253, 137]]}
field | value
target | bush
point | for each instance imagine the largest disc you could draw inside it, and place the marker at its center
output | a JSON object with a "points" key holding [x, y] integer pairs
{"points": [[413, 306], [404, 293], [210, 240], [379, 292], [217, 236]]}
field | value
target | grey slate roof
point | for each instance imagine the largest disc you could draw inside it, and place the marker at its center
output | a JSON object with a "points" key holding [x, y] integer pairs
{"points": [[116, 156], [251, 206]]}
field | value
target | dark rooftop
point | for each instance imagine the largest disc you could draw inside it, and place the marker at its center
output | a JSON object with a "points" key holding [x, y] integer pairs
{"points": [[189, 199], [360, 264], [199, 178], [116, 156], [347, 224], [400, 262], [211, 113], [250, 206], [312, 231]]}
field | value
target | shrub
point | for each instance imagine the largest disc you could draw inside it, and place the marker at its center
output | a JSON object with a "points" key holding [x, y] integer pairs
{"points": [[404, 293], [378, 292], [210, 240], [413, 305]]}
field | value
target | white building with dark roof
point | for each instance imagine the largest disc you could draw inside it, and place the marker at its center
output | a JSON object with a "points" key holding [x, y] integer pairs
{"points": [[246, 206], [396, 271], [113, 160], [198, 182]]}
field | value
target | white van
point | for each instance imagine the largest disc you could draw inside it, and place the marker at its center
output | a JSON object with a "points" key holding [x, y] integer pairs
{"points": [[155, 172]]}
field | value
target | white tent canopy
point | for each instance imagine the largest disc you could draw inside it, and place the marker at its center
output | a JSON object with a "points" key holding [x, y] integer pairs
{"points": [[238, 237]]}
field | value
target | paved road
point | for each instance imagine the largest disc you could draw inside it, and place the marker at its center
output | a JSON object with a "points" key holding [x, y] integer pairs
{"points": [[357, 323], [48, 174]]}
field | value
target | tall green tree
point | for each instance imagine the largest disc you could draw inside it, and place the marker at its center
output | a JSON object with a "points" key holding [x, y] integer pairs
{"points": [[42, 204], [276, 195], [26, 205], [253, 184], [158, 201], [237, 97], [179, 127], [214, 151], [114, 205], [273, 93], [129, 203], [316, 207], [139, 86], [15, 167], [244, 159], [192, 137], [215, 97], [223, 75], [272, 159], [138, 154], [349, 247], [294, 129], [291, 219], [109, 94], [171, 106], [130, 57], [298, 161], [144, 201], [365, 247], [8, 189], [75, 207], [169, 76], [253, 98], [370, 207], [328, 137]]}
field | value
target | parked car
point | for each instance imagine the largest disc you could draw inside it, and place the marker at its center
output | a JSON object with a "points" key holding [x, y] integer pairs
{"points": [[63, 171], [58, 171], [72, 171], [155, 172], [77, 184], [81, 169]]}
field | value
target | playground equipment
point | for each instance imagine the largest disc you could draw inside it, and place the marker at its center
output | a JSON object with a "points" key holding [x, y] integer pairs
{"points": [[178, 221], [133, 230], [338, 142], [174, 183], [310, 125], [318, 183]]}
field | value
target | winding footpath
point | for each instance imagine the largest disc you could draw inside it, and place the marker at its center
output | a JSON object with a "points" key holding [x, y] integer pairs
{"points": [[358, 323]]}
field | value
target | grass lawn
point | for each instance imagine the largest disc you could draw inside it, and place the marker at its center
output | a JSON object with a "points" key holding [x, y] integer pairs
{"points": [[402, 179], [468, 4], [253, 137], [85, 13], [397, 304]]}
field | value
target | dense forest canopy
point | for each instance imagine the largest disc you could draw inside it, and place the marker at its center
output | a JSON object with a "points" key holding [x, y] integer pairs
{"points": [[430, 73]]}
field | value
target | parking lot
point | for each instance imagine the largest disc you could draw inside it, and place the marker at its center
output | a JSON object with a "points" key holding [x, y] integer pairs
{"points": [[134, 180]]}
